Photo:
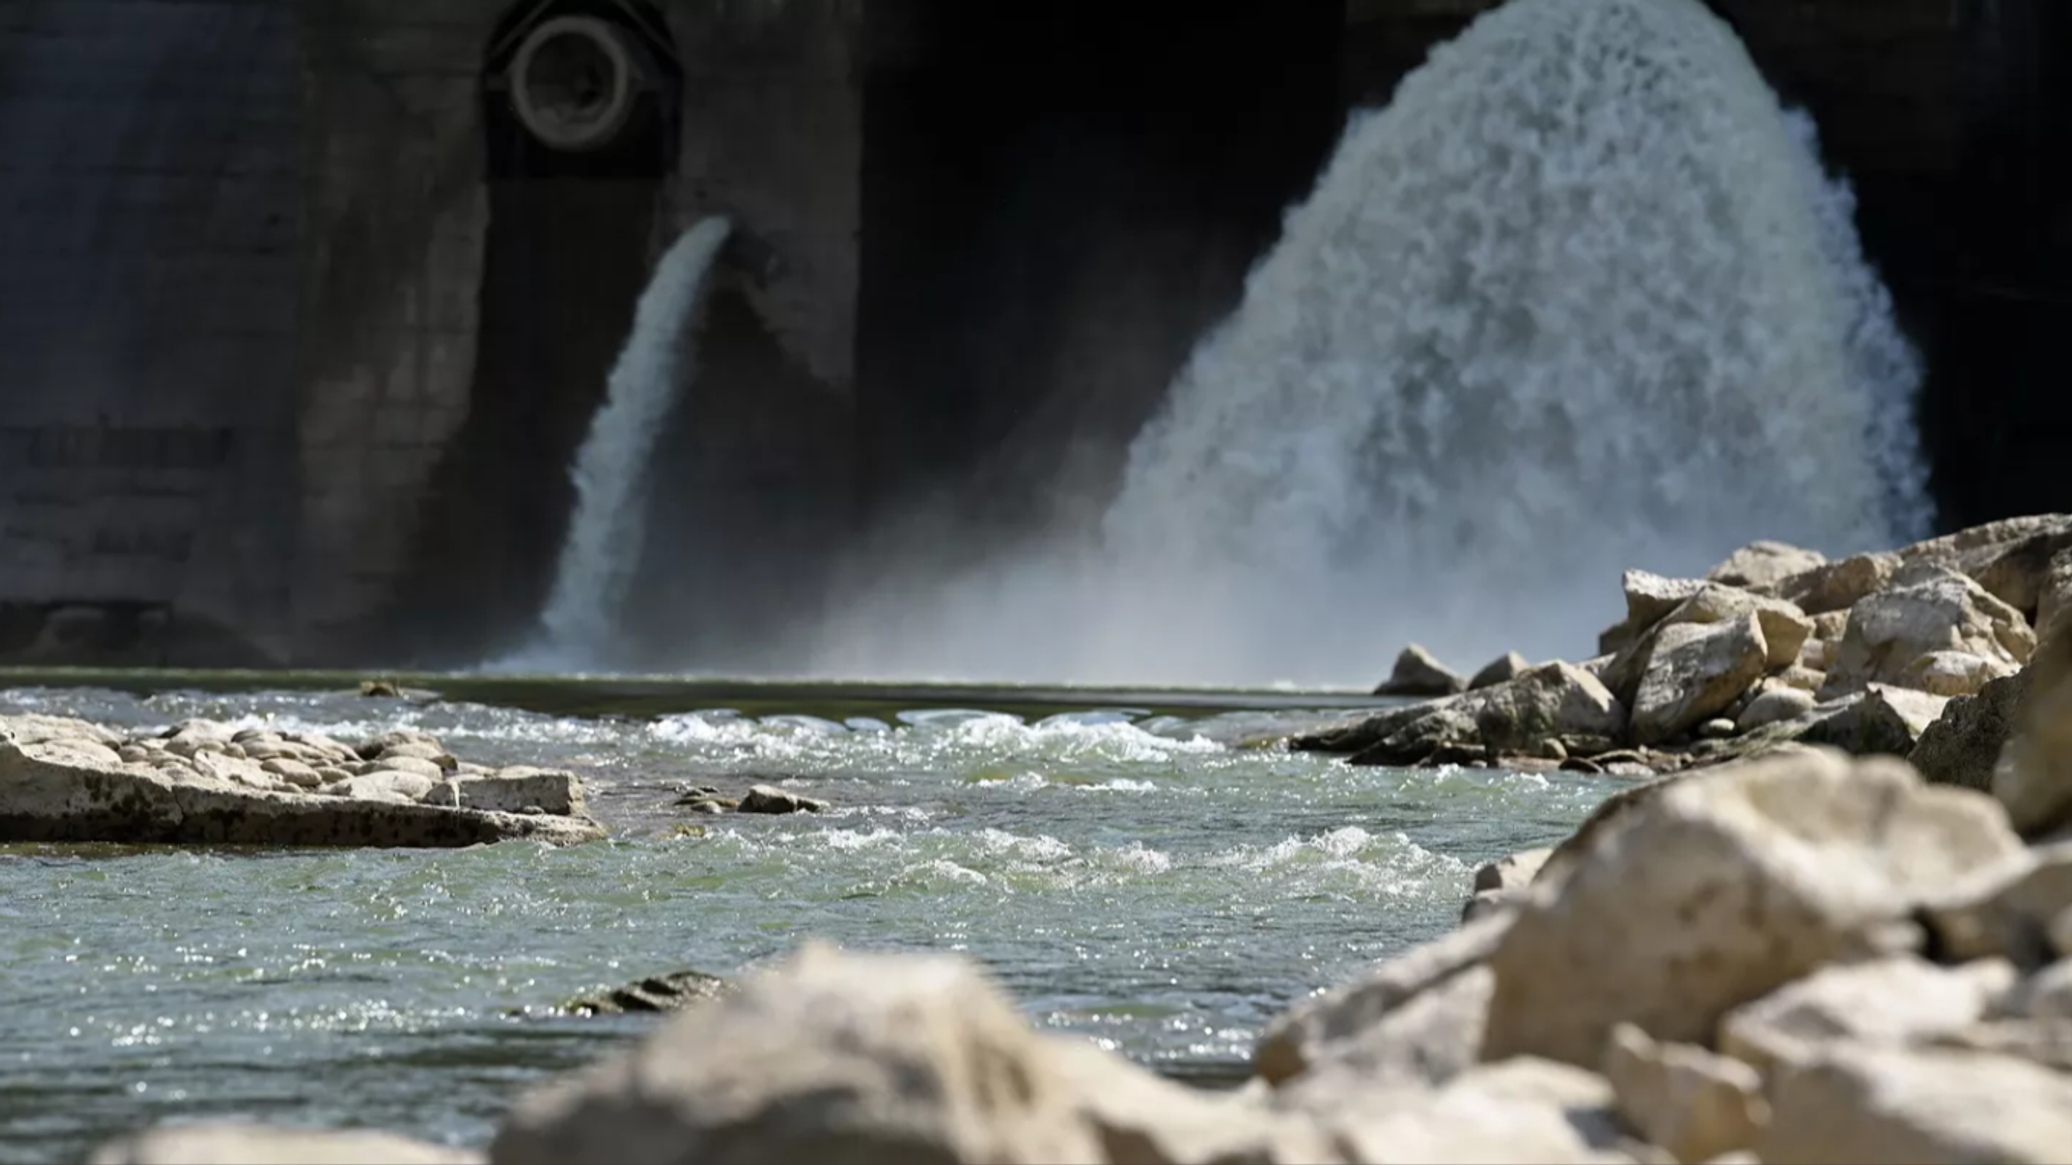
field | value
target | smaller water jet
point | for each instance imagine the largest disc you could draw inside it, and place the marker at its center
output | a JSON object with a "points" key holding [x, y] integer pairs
{"points": [[602, 550]]}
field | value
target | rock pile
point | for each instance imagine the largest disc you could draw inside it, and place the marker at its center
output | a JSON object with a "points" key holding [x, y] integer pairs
{"points": [[204, 782], [1775, 646]]}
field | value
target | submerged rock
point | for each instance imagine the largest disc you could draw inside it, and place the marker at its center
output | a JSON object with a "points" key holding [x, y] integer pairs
{"points": [[671, 992], [60, 782], [771, 799]]}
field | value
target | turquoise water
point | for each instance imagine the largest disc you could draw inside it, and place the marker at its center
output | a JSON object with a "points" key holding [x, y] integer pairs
{"points": [[1126, 875]]}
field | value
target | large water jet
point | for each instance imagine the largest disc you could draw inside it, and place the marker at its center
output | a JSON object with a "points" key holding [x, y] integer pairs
{"points": [[605, 532]]}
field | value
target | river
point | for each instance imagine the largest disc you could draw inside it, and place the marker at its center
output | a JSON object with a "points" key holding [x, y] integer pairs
{"points": [[1124, 863]]}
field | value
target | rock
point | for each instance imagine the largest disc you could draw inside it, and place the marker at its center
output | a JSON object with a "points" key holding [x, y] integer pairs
{"points": [[1925, 610], [1721, 887], [390, 762], [1307, 1031], [1803, 678], [516, 786], [1555, 700], [2055, 596], [294, 772], [1766, 564], [1837, 586], [1694, 1103], [1963, 745], [1719, 729], [1514, 872], [1879, 721], [2047, 1042], [1954, 673], [385, 785], [55, 791], [1773, 704], [234, 1144], [373, 746], [671, 992], [771, 799], [1524, 1110], [827, 1057], [1142, 1119], [2045, 995], [1694, 672], [1887, 1106], [2033, 777], [1613, 811], [1893, 1001], [1426, 1041], [1419, 673], [2010, 559], [1785, 628], [1649, 597], [1502, 670], [2007, 910]]}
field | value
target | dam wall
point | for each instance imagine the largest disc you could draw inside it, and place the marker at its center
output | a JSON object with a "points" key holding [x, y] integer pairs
{"points": [[301, 322]]}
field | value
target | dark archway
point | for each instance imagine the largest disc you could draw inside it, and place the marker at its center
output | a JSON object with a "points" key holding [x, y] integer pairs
{"points": [[581, 101]]}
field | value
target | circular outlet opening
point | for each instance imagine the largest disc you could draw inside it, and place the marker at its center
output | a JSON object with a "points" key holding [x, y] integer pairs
{"points": [[573, 83]]}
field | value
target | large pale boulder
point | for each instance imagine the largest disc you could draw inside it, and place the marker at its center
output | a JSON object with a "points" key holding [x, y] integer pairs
{"points": [[1773, 703], [1926, 610], [1696, 1104], [1525, 1111], [1835, 586], [219, 1143], [1964, 744], [1430, 1039], [833, 1057], [1766, 563], [1694, 672], [1878, 721], [1308, 1032], [1419, 673], [1893, 1001], [1954, 673], [1786, 629], [2007, 910], [2010, 558], [1723, 886], [1140, 1119], [1879, 1105], [1649, 597], [2033, 776]]}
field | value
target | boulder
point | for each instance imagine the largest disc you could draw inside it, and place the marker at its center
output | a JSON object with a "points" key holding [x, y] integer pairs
{"points": [[827, 1057], [1786, 629], [1419, 673], [2047, 1042], [1696, 1104], [2006, 911], [1140, 1119], [1694, 672], [2045, 995], [1773, 704], [1925, 610], [2033, 776], [771, 799], [1954, 673], [1835, 586], [1723, 886], [1766, 564], [76, 790], [1514, 872], [1524, 1111], [1887, 1106], [1503, 669], [1895, 1001], [2055, 596], [1551, 701], [1963, 745], [1427, 1041], [220, 1143], [1879, 721], [2011, 559], [1312, 1029], [1648, 598]]}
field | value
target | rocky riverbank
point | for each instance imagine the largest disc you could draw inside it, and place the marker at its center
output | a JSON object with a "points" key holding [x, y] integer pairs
{"points": [[65, 780], [1775, 646]]}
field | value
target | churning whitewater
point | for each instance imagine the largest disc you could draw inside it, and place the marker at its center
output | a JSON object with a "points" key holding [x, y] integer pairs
{"points": [[1581, 298], [602, 549]]}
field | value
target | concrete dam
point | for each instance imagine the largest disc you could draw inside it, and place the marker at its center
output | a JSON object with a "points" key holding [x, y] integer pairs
{"points": [[307, 305]]}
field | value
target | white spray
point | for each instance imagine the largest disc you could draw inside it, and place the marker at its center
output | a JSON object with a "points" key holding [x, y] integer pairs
{"points": [[1581, 298], [603, 546]]}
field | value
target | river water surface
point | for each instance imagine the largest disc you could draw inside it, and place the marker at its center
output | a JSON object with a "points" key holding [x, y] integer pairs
{"points": [[1132, 874]]}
